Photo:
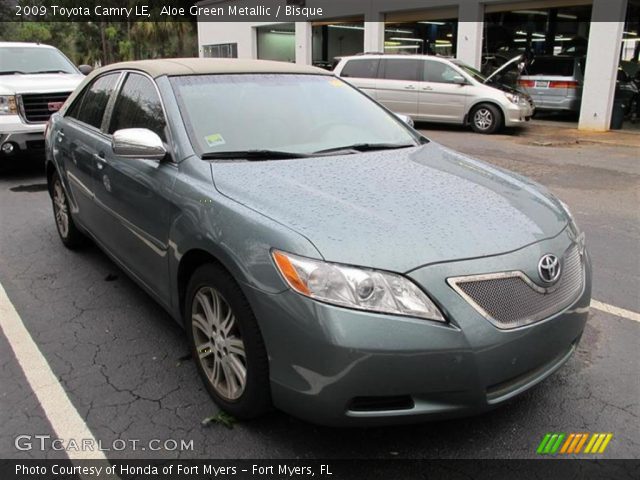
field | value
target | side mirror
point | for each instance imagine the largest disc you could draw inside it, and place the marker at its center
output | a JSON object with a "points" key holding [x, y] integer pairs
{"points": [[85, 69], [406, 119], [138, 143], [459, 80]]}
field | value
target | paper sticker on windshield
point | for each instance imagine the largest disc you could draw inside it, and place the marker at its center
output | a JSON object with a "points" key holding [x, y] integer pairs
{"points": [[214, 140], [336, 83]]}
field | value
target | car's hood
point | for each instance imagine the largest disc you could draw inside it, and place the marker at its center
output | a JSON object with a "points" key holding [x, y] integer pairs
{"points": [[398, 209], [508, 64], [39, 83]]}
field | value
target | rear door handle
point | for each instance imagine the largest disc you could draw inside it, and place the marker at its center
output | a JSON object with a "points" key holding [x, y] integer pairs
{"points": [[410, 87], [427, 88]]}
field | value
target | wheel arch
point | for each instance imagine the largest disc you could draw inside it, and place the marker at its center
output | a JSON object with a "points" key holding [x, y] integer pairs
{"points": [[484, 101], [189, 262]]}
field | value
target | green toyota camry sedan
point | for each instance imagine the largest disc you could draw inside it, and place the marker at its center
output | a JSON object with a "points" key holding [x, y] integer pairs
{"points": [[323, 256]]}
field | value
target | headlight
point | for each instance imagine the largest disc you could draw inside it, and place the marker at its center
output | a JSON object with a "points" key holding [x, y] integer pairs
{"points": [[352, 287], [513, 97], [8, 105], [572, 220]]}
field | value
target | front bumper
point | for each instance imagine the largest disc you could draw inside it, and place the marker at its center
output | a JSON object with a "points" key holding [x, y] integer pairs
{"points": [[518, 114], [335, 366], [23, 137]]}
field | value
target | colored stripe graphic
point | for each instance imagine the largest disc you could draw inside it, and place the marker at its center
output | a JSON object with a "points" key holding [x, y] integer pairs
{"points": [[573, 443]]}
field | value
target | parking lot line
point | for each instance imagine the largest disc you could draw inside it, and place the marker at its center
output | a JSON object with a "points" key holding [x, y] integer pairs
{"points": [[60, 412], [618, 312]]}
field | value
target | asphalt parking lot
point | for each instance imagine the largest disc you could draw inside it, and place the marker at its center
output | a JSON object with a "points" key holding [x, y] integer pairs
{"points": [[121, 359]]}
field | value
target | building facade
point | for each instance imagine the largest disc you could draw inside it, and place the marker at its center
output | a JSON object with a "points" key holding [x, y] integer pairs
{"points": [[482, 33]]}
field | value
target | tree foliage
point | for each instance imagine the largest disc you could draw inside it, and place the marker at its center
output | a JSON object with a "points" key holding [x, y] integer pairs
{"points": [[103, 42]]}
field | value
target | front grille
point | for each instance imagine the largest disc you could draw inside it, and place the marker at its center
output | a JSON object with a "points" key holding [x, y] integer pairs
{"points": [[38, 107], [511, 299]]}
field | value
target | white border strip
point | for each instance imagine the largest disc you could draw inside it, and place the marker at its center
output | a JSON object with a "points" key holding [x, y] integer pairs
{"points": [[618, 312], [64, 418]]}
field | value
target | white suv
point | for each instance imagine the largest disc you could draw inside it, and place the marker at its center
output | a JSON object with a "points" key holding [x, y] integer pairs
{"points": [[437, 89], [35, 80]]}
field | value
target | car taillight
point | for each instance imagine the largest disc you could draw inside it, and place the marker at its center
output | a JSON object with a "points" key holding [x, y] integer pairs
{"points": [[527, 83], [569, 84]]}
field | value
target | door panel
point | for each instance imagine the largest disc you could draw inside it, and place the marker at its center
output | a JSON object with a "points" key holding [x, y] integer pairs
{"points": [[74, 150], [440, 99], [398, 85], [75, 142], [134, 196], [362, 73]]}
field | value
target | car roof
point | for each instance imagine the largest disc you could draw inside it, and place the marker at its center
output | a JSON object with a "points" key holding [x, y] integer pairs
{"points": [[403, 56], [201, 66], [24, 44]]}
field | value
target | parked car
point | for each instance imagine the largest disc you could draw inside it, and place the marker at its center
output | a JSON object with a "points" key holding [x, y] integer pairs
{"points": [[323, 256], [556, 83], [35, 80], [436, 89]]}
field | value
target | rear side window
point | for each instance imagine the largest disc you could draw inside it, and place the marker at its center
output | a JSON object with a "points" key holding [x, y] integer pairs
{"points": [[138, 106], [90, 107], [562, 67], [361, 68], [401, 69]]}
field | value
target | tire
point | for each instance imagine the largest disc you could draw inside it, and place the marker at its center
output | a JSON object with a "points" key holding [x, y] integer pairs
{"points": [[71, 236], [486, 118], [224, 341]]}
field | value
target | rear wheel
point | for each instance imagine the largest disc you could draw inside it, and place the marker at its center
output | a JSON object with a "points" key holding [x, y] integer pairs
{"points": [[226, 343], [71, 237], [486, 118]]}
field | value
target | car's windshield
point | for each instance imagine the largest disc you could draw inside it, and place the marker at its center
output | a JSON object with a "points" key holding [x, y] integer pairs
{"points": [[469, 70], [33, 60], [294, 113]]}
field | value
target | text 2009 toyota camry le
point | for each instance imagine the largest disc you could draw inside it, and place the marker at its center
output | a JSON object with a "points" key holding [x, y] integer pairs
{"points": [[324, 257]]}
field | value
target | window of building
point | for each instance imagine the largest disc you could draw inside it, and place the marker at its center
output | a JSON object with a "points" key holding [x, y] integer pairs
{"points": [[277, 42], [221, 50]]}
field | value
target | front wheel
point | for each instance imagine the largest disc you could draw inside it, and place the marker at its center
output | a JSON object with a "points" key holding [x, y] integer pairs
{"points": [[486, 118], [226, 343], [70, 235]]}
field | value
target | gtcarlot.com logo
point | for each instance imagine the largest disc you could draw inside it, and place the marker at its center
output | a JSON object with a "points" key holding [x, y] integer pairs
{"points": [[568, 443]]}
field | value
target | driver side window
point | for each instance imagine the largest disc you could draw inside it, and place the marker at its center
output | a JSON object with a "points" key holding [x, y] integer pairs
{"points": [[438, 72], [138, 106]]}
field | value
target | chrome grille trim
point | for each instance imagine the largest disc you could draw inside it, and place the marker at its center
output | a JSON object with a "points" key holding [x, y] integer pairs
{"points": [[34, 107], [511, 299]]}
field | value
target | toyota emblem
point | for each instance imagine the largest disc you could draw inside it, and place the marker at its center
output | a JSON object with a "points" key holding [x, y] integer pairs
{"points": [[549, 268]]}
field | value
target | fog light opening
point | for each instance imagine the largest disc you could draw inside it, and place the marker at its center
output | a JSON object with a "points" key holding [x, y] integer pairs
{"points": [[8, 148], [377, 404]]}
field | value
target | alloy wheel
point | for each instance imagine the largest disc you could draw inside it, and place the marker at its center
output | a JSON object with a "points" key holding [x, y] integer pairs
{"points": [[219, 344], [61, 209], [483, 118]]}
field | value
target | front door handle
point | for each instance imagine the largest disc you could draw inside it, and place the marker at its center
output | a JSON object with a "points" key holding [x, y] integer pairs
{"points": [[410, 87], [427, 88], [100, 160]]}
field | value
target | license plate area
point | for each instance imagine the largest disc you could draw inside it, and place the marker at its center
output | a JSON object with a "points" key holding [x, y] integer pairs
{"points": [[542, 84]]}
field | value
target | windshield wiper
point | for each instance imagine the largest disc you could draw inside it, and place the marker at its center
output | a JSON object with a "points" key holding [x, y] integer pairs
{"points": [[252, 155], [11, 72], [367, 147]]}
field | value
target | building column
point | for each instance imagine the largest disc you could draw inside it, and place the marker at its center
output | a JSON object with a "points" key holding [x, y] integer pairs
{"points": [[374, 35], [603, 54], [470, 27], [304, 43]]}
